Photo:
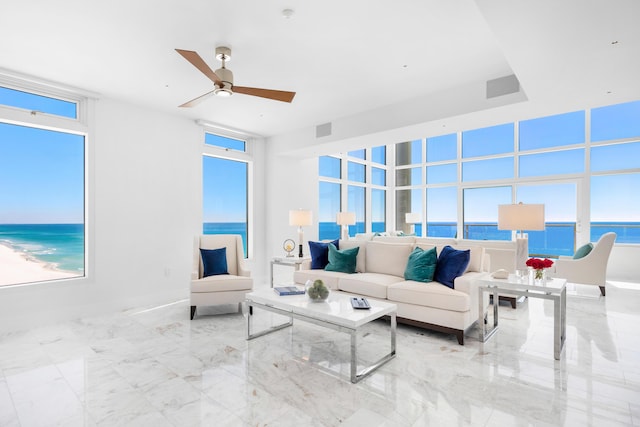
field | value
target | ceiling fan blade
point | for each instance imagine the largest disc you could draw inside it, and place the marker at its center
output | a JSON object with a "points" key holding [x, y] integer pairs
{"points": [[278, 95], [199, 63], [197, 100]]}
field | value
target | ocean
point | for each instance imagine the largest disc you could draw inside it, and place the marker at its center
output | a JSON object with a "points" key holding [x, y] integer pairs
{"points": [[227, 228], [61, 245], [557, 238]]}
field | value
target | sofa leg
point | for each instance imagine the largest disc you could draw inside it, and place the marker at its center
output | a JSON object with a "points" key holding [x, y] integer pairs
{"points": [[193, 311], [602, 291], [460, 336]]}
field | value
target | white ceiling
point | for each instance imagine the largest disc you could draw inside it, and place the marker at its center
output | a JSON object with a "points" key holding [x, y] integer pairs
{"points": [[341, 57]]}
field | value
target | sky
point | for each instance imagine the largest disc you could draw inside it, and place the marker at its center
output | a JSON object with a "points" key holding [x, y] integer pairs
{"points": [[42, 171]]}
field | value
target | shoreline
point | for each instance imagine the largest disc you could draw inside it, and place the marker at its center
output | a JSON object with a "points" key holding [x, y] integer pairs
{"points": [[17, 268]]}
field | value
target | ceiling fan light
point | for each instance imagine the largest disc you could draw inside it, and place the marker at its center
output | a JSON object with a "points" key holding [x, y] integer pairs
{"points": [[224, 91]]}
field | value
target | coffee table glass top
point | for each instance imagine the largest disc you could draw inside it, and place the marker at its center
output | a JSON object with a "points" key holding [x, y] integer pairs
{"points": [[337, 309]]}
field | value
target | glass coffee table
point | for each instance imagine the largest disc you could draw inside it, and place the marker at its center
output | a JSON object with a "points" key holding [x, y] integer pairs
{"points": [[552, 289], [336, 313]]}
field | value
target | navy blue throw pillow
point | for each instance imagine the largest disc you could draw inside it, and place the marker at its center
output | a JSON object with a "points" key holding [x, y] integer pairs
{"points": [[451, 264], [214, 261], [320, 254]]}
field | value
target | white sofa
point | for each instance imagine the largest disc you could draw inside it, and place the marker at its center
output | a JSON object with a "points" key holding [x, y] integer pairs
{"points": [[380, 275]]}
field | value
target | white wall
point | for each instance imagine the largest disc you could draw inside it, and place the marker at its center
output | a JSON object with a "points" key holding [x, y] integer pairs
{"points": [[145, 167]]}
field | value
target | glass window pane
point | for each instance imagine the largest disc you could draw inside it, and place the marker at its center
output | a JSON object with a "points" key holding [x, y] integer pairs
{"points": [[42, 201], [487, 141], [329, 207], [615, 121], [615, 157], [555, 163], [356, 203], [442, 212], [552, 131], [410, 176], [329, 166], [481, 213], [379, 155], [34, 102], [355, 172], [409, 153], [359, 154], [378, 210], [407, 201], [614, 208], [442, 173], [378, 176], [224, 142], [478, 170], [442, 148], [224, 198], [560, 213]]}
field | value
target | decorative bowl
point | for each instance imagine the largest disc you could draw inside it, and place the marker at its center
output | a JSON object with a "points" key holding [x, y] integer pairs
{"points": [[317, 291]]}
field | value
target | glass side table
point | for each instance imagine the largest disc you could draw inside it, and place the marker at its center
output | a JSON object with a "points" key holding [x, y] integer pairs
{"points": [[295, 262]]}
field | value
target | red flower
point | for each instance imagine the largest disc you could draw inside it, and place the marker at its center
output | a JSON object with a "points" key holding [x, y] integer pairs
{"points": [[538, 264]]}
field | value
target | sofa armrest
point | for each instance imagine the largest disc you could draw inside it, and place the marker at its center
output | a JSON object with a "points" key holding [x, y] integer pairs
{"points": [[194, 275], [242, 270], [306, 265]]}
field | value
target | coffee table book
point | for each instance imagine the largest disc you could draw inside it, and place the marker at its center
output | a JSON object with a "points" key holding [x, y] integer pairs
{"points": [[288, 290]]}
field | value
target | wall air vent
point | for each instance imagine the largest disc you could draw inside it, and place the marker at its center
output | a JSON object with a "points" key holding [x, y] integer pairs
{"points": [[502, 86], [323, 130]]}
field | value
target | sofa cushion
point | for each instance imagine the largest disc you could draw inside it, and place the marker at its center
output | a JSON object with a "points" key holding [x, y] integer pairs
{"points": [[431, 294], [368, 284], [421, 265], [387, 258], [360, 259], [320, 253], [451, 264], [476, 256], [214, 261], [221, 283], [343, 261], [330, 278]]}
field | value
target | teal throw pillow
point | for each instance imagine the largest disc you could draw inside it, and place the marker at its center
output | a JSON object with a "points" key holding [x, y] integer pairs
{"points": [[583, 251], [343, 260], [421, 265]]}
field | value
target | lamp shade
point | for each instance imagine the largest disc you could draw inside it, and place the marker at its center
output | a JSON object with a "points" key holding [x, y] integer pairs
{"points": [[300, 217], [521, 217], [346, 218], [412, 218]]}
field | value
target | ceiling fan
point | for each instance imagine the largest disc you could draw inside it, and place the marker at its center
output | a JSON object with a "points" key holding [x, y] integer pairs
{"points": [[223, 79]]}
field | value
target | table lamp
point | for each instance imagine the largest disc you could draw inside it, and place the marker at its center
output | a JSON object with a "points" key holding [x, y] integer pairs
{"points": [[518, 218], [412, 218], [344, 220], [300, 218]]}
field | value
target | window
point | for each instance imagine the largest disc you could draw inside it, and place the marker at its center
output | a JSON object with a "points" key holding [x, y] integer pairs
{"points": [[478, 170], [329, 207], [442, 148], [378, 176], [329, 167], [615, 207], [552, 131], [410, 176], [356, 202], [358, 154], [552, 163], [481, 213], [225, 189], [441, 174], [224, 142], [378, 210], [38, 103], [356, 172], [379, 155], [409, 153], [408, 201], [42, 190], [442, 212], [615, 121], [615, 157], [488, 141]]}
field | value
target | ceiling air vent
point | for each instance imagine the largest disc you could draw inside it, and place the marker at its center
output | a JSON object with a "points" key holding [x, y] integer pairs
{"points": [[323, 130], [502, 86]]}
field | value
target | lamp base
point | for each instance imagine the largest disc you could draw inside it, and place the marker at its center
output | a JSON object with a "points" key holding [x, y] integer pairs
{"points": [[300, 252]]}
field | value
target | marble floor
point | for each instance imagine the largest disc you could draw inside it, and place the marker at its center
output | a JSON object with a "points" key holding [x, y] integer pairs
{"points": [[151, 366]]}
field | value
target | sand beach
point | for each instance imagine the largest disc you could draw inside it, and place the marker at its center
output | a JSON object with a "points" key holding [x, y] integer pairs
{"points": [[16, 268]]}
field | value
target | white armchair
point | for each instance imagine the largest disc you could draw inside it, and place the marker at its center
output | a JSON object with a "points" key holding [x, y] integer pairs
{"points": [[591, 269], [221, 288]]}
